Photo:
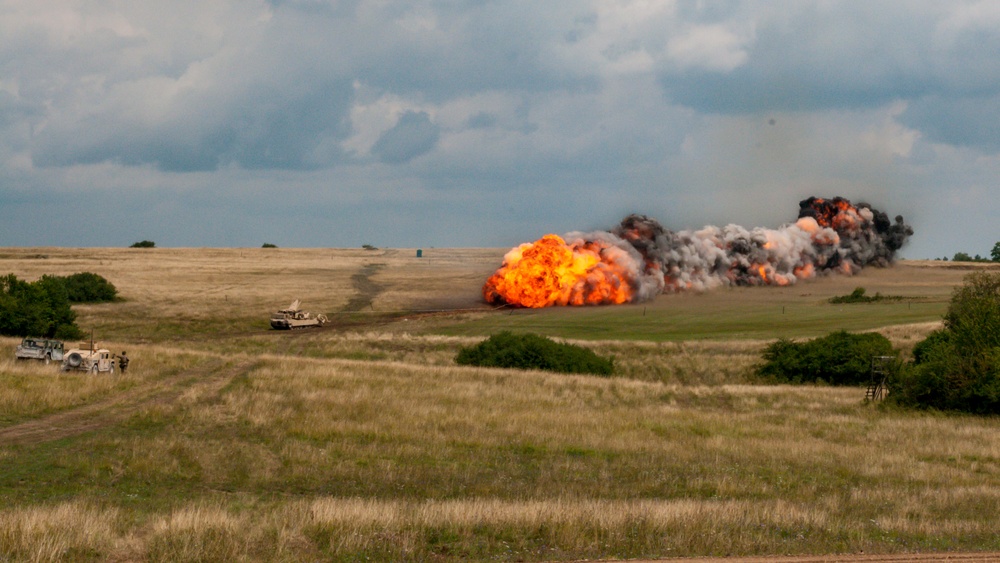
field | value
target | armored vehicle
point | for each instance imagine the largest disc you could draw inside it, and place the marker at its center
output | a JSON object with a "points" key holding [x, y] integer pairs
{"points": [[293, 317], [93, 360], [39, 349]]}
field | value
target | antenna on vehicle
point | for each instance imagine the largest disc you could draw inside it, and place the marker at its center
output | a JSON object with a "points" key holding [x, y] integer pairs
{"points": [[91, 341]]}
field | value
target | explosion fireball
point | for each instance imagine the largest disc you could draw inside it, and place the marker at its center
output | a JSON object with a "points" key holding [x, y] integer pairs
{"points": [[639, 259]]}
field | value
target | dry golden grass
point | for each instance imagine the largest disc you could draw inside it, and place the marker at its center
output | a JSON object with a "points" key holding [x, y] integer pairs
{"points": [[29, 388], [233, 289], [227, 441], [327, 528], [335, 459]]}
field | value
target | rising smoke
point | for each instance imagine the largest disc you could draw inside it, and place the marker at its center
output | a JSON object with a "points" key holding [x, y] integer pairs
{"points": [[640, 258]]}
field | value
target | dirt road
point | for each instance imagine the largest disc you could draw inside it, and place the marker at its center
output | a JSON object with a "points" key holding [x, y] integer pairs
{"points": [[210, 379]]}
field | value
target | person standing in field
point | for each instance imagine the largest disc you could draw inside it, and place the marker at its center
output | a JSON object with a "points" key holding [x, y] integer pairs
{"points": [[123, 361]]}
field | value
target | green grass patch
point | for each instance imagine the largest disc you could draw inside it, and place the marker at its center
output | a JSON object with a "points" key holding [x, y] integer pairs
{"points": [[738, 313]]}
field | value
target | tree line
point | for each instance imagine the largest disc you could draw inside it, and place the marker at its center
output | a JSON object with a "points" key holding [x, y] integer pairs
{"points": [[963, 257]]}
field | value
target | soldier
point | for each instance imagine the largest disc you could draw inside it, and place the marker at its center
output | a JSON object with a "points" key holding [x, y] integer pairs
{"points": [[123, 361]]}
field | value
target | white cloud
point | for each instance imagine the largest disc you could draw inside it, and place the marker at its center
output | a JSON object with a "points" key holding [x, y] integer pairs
{"points": [[889, 136], [710, 47]]}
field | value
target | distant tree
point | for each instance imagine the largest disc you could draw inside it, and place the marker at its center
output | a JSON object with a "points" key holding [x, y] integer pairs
{"points": [[143, 244], [368, 247], [963, 257], [995, 253], [268, 245]]}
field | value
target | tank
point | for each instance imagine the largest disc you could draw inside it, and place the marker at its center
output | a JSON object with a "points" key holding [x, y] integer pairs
{"points": [[293, 317]]}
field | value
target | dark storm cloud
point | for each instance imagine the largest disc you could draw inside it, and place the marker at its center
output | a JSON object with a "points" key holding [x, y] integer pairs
{"points": [[265, 125], [939, 59], [969, 122], [261, 95], [815, 56], [413, 135]]}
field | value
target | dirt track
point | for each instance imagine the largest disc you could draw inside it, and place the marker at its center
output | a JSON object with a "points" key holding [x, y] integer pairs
{"points": [[210, 378]]}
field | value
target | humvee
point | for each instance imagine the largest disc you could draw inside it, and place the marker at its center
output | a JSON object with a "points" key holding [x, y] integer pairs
{"points": [[292, 317], [93, 360], [39, 349]]}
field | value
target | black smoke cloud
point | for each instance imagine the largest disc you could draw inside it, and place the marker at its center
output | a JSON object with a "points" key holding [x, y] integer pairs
{"points": [[829, 235]]}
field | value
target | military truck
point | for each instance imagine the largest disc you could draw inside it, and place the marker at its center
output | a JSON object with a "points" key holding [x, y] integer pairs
{"points": [[39, 349], [293, 317], [93, 360]]}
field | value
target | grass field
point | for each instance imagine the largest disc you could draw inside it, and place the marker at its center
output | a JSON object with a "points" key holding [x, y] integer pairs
{"points": [[364, 441]]}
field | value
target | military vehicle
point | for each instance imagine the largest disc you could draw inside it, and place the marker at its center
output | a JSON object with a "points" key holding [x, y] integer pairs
{"points": [[93, 360], [39, 349], [292, 317]]}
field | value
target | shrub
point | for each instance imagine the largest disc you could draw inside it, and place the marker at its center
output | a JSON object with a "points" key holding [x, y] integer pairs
{"points": [[934, 341], [858, 296], [531, 351], [958, 367], [839, 358], [143, 244], [268, 245], [87, 287], [39, 308]]}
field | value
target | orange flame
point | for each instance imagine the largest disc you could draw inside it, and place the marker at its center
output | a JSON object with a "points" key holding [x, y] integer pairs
{"points": [[805, 271], [551, 272], [837, 213]]}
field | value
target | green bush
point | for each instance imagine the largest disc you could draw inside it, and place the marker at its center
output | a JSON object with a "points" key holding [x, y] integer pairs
{"points": [[87, 287], [531, 351], [958, 368], [856, 296], [931, 344], [39, 308], [268, 245], [839, 358], [143, 244]]}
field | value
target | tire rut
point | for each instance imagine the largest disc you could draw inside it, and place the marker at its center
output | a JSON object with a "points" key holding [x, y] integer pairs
{"points": [[210, 378], [367, 290]]}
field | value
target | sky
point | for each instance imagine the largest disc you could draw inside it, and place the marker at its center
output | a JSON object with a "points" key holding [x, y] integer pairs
{"points": [[477, 123]]}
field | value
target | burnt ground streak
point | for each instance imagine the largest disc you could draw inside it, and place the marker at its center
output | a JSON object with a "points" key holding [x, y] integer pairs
{"points": [[365, 289]]}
